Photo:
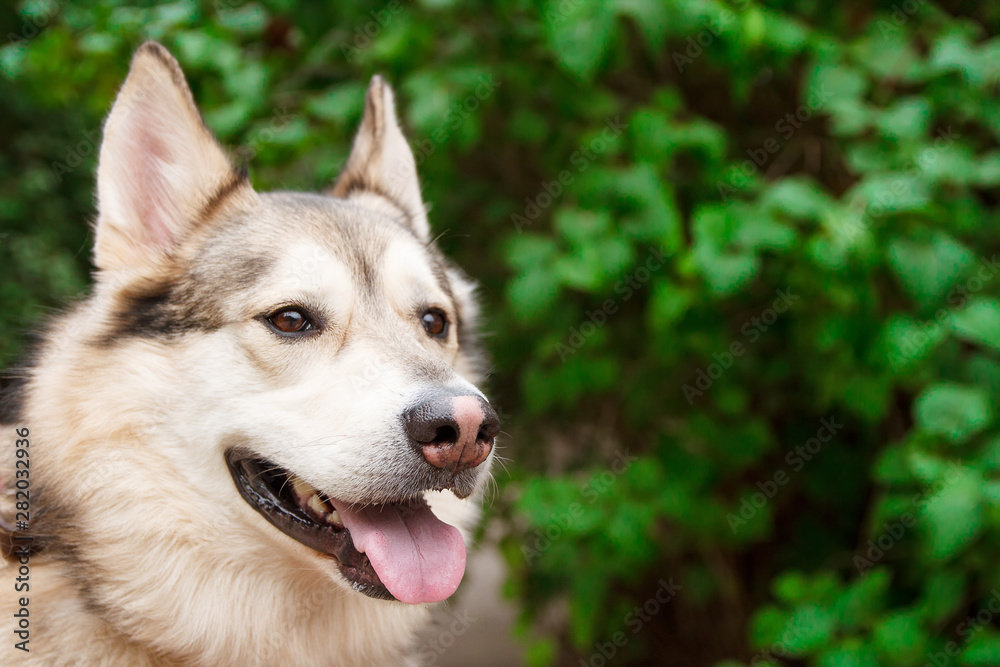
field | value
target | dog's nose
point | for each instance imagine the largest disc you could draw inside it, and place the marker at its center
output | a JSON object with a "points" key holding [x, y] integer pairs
{"points": [[453, 432]]}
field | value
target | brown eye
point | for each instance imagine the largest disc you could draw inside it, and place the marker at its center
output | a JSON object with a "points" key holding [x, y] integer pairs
{"points": [[290, 321], [435, 322]]}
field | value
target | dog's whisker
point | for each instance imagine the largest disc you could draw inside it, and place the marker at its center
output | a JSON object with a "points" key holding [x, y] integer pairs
{"points": [[503, 465], [485, 374]]}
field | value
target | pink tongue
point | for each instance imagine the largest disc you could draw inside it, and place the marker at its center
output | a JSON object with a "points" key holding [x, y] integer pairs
{"points": [[417, 556]]}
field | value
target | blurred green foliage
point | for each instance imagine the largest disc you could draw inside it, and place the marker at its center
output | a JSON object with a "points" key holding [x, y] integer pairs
{"points": [[706, 231]]}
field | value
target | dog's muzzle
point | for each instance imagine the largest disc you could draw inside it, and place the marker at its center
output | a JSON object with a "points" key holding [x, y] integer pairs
{"points": [[394, 547]]}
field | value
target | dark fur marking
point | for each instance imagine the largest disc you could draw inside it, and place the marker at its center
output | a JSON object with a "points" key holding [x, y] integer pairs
{"points": [[12, 398], [371, 112], [246, 271], [149, 314], [232, 183], [164, 309], [369, 276], [160, 53]]}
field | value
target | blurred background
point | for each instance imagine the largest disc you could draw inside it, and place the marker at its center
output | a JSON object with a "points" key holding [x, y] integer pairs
{"points": [[738, 262]]}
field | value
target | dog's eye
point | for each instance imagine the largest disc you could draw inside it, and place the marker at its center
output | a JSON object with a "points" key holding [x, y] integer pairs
{"points": [[290, 321], [435, 322]]}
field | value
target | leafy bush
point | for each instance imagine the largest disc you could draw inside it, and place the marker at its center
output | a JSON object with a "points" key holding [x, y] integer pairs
{"points": [[738, 263]]}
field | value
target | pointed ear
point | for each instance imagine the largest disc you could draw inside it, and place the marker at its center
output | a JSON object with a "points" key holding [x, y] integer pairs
{"points": [[161, 171], [381, 165]]}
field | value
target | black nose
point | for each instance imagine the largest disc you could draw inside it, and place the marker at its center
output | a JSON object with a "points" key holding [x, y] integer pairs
{"points": [[453, 432]]}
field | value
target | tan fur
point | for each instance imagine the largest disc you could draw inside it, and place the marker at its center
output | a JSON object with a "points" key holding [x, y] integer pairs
{"points": [[147, 554]]}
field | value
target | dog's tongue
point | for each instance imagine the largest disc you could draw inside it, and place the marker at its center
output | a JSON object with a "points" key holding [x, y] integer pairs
{"points": [[418, 557]]}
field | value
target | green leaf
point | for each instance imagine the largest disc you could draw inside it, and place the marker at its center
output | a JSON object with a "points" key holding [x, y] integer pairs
{"points": [[979, 322], [340, 104], [944, 592], [851, 653], [790, 587], [541, 653], [725, 264], [983, 649], [768, 626], [250, 18], [668, 303], [864, 598], [653, 135], [954, 516], [907, 118], [813, 628], [532, 293], [954, 52], [527, 251], [580, 33], [728, 273], [838, 81], [798, 198], [954, 411], [906, 341], [900, 639], [785, 32], [885, 194], [582, 227], [928, 268], [650, 17]]}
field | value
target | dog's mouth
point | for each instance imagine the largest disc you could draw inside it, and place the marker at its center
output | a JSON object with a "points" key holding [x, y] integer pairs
{"points": [[395, 551]]}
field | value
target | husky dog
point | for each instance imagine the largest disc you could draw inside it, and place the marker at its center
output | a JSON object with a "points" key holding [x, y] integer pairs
{"points": [[258, 442]]}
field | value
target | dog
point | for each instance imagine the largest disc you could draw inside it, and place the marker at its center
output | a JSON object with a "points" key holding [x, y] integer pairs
{"points": [[259, 441]]}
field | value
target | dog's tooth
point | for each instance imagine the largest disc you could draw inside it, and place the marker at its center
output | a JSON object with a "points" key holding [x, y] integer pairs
{"points": [[317, 505], [302, 490], [334, 517]]}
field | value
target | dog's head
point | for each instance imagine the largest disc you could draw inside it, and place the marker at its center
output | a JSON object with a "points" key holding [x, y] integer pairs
{"points": [[317, 346]]}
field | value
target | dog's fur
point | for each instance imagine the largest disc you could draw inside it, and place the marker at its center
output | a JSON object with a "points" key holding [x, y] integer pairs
{"points": [[143, 552]]}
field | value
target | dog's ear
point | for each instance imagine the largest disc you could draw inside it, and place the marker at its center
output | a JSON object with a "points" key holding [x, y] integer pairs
{"points": [[161, 170], [381, 166]]}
